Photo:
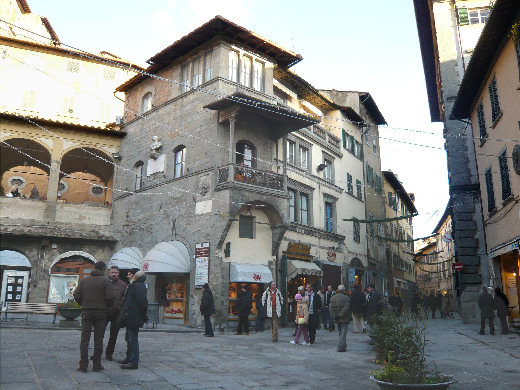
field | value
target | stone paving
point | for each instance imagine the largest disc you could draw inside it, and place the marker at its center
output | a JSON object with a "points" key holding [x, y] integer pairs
{"points": [[47, 359]]}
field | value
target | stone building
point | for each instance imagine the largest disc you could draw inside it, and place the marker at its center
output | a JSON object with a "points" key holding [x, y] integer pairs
{"points": [[448, 31], [399, 211], [59, 143], [489, 97], [238, 172]]}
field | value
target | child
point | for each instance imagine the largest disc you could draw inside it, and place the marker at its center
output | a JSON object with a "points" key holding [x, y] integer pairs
{"points": [[302, 319]]}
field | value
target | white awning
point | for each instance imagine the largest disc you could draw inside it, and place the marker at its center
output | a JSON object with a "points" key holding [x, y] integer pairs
{"points": [[126, 258], [249, 273], [13, 259], [297, 267], [167, 257], [504, 248]]}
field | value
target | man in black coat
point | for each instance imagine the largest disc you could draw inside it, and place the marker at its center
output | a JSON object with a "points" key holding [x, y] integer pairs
{"points": [[244, 306], [133, 316], [487, 310], [373, 303], [501, 304], [207, 308], [314, 312]]}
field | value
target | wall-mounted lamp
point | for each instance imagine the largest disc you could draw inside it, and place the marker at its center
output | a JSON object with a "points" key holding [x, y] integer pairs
{"points": [[321, 167], [116, 156]]}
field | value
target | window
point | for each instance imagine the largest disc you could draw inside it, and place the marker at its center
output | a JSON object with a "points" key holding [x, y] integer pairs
{"points": [[504, 175], [258, 81], [180, 161], [245, 154], [292, 206], [358, 188], [291, 152], [185, 77], [328, 217], [197, 72], [374, 146], [208, 66], [462, 15], [73, 67], [357, 231], [146, 102], [246, 226], [246, 71], [370, 176], [328, 172], [28, 99], [304, 158], [304, 209], [350, 187], [493, 98], [109, 74], [371, 226], [233, 66], [139, 175], [68, 105], [478, 15], [481, 122]]}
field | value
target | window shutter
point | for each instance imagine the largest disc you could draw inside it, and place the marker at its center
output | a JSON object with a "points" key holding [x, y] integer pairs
{"points": [[493, 98], [481, 122], [490, 191], [344, 135], [246, 226], [462, 14], [504, 175]]}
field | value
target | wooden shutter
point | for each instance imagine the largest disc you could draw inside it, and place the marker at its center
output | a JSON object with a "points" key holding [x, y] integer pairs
{"points": [[246, 226], [490, 191], [481, 122], [462, 14], [344, 137], [493, 98], [504, 175]]}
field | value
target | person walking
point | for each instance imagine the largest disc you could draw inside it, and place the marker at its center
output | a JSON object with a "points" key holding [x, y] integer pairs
{"points": [[373, 303], [244, 306], [357, 305], [272, 299], [260, 316], [431, 303], [438, 302], [501, 304], [207, 308], [340, 311], [444, 305], [133, 316], [328, 296], [302, 319], [95, 296], [117, 289], [487, 307], [314, 312]]}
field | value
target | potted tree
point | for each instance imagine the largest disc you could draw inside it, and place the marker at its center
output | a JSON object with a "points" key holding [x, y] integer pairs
{"points": [[401, 342], [70, 310]]}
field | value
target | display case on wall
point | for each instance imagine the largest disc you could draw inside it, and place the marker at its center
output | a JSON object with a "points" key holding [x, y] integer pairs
{"points": [[234, 290], [176, 299]]}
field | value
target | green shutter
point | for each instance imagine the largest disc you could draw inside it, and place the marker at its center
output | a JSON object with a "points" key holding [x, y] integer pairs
{"points": [[462, 13]]}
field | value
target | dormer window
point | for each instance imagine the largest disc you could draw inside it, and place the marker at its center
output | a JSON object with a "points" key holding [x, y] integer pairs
{"points": [[146, 102]]}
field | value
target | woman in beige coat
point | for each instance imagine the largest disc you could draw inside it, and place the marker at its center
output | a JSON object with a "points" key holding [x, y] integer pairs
{"points": [[302, 319]]}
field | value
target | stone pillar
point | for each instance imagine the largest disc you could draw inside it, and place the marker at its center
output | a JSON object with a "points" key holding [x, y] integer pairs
{"points": [[54, 180], [232, 120]]}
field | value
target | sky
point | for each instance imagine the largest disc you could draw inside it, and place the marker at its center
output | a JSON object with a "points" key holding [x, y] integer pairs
{"points": [[369, 46]]}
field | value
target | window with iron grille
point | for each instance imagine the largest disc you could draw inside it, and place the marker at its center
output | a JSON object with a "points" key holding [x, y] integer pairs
{"points": [[504, 175], [481, 122], [493, 98], [490, 190], [357, 231], [350, 187]]}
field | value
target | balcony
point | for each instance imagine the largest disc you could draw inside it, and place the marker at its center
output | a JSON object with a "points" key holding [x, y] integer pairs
{"points": [[247, 178]]}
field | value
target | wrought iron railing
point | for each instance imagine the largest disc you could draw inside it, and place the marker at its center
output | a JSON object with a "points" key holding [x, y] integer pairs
{"points": [[236, 173]]}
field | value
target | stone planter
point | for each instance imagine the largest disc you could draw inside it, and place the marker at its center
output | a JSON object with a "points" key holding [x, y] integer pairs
{"points": [[70, 313], [406, 386]]}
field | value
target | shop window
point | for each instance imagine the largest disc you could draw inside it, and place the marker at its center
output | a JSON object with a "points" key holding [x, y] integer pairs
{"points": [[180, 161], [246, 226], [256, 289], [175, 298], [246, 154], [139, 166]]}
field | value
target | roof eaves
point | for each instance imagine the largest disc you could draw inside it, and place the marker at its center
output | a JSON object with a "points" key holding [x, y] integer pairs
{"points": [[399, 188], [50, 29], [371, 106], [447, 212], [24, 6]]}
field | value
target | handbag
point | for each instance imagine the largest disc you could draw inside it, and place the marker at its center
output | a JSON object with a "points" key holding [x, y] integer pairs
{"points": [[301, 320]]}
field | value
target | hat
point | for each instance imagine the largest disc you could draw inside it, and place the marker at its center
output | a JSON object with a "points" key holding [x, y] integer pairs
{"points": [[205, 285], [298, 297], [133, 271], [100, 265], [371, 285]]}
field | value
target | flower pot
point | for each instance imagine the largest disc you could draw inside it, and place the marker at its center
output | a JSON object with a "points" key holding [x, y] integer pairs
{"points": [[70, 313], [412, 386]]}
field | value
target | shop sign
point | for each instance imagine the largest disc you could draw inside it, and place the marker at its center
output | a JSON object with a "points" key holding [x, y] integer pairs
{"points": [[201, 264], [511, 286], [331, 255], [299, 251]]}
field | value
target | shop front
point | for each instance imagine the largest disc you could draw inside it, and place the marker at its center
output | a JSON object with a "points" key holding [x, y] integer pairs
{"points": [[126, 259], [331, 274], [299, 273], [167, 266], [15, 270], [65, 273], [256, 276], [355, 274], [508, 259]]}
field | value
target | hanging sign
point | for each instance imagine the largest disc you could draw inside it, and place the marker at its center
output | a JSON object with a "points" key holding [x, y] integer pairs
{"points": [[201, 264], [447, 238]]}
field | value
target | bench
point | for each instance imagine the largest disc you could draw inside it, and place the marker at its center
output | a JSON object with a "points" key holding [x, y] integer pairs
{"points": [[31, 308]]}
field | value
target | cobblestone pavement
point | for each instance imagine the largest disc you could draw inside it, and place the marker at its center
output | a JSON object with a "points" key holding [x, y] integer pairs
{"points": [[47, 359]]}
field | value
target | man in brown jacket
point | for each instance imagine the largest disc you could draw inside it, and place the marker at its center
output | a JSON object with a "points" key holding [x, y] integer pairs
{"points": [[117, 290], [94, 294], [340, 311]]}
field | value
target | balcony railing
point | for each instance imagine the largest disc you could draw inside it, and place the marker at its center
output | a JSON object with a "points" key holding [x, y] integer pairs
{"points": [[244, 175], [325, 135]]}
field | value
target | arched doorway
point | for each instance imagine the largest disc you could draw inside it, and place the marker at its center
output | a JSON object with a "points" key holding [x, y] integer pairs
{"points": [[65, 273], [14, 273]]}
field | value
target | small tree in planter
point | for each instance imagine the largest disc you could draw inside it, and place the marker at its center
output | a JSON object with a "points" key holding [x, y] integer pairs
{"points": [[401, 342], [70, 310]]}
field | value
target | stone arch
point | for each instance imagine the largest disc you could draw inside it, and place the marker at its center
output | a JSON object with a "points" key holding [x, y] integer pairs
{"points": [[356, 263], [86, 255]]}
